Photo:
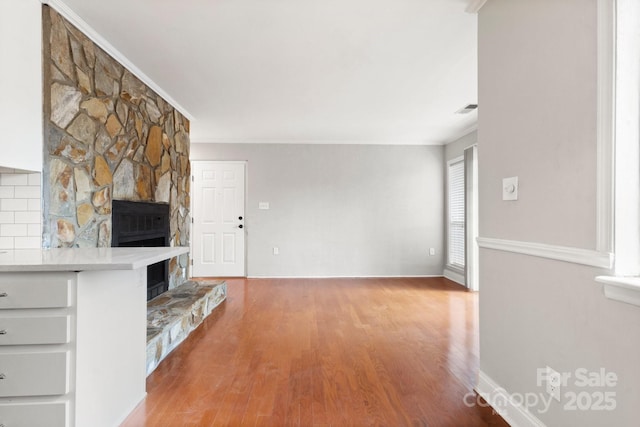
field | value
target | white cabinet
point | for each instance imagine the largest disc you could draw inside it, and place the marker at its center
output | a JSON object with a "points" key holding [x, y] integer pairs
{"points": [[34, 374], [34, 414], [34, 291], [21, 103], [73, 328], [34, 330], [74, 342], [36, 349]]}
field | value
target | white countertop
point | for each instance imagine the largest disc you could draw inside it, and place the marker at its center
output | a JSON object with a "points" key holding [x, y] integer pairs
{"points": [[74, 259]]}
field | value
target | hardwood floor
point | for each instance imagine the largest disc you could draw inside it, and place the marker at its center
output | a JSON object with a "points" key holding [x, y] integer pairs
{"points": [[325, 352]]}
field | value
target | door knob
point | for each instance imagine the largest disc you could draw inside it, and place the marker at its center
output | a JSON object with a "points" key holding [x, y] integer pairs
{"points": [[240, 226], [240, 218]]}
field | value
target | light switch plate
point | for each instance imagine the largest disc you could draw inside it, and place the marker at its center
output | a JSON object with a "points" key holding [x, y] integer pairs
{"points": [[263, 205], [510, 188]]}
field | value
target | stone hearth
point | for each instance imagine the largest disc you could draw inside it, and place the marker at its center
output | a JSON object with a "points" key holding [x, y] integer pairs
{"points": [[172, 316]]}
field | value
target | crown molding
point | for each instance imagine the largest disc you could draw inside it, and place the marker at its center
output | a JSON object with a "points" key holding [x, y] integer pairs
{"points": [[95, 37], [199, 140], [474, 6]]}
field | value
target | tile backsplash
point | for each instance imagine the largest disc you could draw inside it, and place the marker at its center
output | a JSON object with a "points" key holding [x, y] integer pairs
{"points": [[20, 210]]}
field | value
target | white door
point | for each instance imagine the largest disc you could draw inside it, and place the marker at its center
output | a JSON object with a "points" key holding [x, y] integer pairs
{"points": [[218, 233]]}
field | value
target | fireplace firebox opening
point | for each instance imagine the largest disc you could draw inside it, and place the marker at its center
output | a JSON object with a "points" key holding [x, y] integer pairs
{"points": [[143, 224]]}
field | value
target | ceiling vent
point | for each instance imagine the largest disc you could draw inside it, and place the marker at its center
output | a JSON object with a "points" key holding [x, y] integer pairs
{"points": [[467, 109]]}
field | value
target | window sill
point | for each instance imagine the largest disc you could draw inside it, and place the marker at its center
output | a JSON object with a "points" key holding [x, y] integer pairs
{"points": [[624, 289]]}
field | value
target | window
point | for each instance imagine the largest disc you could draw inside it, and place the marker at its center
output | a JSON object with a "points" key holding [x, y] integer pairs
{"points": [[625, 284], [627, 134], [455, 209]]}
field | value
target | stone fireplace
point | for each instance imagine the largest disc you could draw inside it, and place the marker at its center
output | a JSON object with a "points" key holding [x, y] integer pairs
{"points": [[107, 136]]}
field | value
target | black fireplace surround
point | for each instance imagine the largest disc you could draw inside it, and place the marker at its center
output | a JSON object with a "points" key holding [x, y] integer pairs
{"points": [[143, 224]]}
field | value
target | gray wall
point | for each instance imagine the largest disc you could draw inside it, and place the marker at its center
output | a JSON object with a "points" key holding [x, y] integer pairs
{"points": [[456, 148], [340, 210], [537, 94]]}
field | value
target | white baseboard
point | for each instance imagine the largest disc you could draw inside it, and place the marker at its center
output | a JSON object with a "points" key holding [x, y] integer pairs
{"points": [[503, 404], [343, 277], [454, 276]]}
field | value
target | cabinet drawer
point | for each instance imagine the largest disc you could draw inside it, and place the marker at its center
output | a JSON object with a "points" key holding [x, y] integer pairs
{"points": [[34, 291], [34, 374], [34, 330], [34, 415]]}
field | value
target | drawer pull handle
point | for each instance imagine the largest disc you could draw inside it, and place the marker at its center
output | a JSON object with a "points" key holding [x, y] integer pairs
{"points": [[2, 295], [3, 332]]}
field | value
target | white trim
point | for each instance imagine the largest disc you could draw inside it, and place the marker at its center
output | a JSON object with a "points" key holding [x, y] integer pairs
{"points": [[627, 133], [464, 132], [450, 162], [605, 128], [624, 289], [82, 25], [455, 160], [245, 164], [215, 140], [501, 402], [559, 253], [410, 276], [474, 6], [454, 276]]}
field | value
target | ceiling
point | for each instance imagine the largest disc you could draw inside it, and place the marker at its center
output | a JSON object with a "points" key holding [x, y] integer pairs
{"points": [[299, 71]]}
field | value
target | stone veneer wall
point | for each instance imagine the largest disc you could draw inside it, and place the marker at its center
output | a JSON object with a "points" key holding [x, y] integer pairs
{"points": [[107, 136]]}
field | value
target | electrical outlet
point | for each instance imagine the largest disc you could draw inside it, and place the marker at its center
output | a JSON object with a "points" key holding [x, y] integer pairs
{"points": [[276, 250], [554, 382], [432, 251]]}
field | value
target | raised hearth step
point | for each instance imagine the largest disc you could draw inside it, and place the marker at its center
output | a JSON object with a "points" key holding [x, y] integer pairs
{"points": [[173, 315]]}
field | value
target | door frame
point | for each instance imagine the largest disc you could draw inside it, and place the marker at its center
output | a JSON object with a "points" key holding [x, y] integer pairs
{"points": [[471, 218], [245, 163]]}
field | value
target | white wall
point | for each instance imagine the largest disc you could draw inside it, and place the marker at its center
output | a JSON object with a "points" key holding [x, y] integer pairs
{"points": [[537, 94], [340, 210], [21, 84]]}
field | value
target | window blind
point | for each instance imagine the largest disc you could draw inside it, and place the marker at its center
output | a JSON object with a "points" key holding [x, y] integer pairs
{"points": [[456, 213]]}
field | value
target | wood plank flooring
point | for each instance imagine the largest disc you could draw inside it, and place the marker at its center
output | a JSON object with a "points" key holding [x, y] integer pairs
{"points": [[325, 352]]}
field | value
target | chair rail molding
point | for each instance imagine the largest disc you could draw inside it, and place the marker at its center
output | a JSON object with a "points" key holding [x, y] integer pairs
{"points": [[555, 252]]}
